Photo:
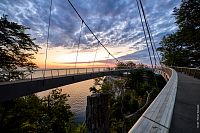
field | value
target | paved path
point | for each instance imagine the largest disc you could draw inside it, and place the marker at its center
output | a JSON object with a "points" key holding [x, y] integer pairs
{"points": [[186, 110]]}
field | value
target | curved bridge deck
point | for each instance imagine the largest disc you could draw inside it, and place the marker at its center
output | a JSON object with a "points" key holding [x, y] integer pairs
{"points": [[157, 116], [14, 89], [186, 109], [176, 108]]}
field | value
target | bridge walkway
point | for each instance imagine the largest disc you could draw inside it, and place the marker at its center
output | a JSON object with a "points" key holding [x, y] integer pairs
{"points": [[18, 88], [186, 108]]}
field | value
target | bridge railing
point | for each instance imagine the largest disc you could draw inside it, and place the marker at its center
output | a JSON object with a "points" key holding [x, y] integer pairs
{"points": [[165, 72], [195, 72], [47, 73], [17, 88], [157, 117]]}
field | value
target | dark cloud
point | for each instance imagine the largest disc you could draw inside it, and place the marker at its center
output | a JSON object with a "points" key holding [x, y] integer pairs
{"points": [[141, 56], [114, 22], [135, 56]]}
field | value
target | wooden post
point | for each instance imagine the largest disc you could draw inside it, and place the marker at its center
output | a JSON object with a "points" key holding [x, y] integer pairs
{"points": [[97, 113]]}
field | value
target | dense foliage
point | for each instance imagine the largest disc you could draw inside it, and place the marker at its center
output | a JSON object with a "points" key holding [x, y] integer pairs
{"points": [[128, 94], [128, 64], [17, 49], [33, 114], [182, 48], [16, 46]]}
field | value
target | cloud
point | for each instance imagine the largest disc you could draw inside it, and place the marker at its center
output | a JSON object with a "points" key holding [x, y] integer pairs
{"points": [[114, 22], [141, 56]]}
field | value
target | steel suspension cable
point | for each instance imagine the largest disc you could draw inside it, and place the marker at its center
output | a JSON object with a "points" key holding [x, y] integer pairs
{"points": [[154, 43], [95, 54], [91, 31], [48, 31], [145, 19], [90, 60], [149, 38], [79, 40], [107, 61], [144, 33]]}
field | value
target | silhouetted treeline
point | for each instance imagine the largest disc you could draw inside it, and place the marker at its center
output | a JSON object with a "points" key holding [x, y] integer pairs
{"points": [[182, 48]]}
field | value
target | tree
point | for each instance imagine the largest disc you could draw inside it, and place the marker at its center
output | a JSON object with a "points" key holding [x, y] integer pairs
{"points": [[32, 114], [174, 52], [123, 65], [20, 114], [182, 48], [17, 48], [127, 95], [130, 64], [187, 18], [58, 111]]}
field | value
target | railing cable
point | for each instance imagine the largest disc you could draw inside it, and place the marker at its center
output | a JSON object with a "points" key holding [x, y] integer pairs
{"points": [[107, 61], [95, 54], [79, 41], [48, 31]]}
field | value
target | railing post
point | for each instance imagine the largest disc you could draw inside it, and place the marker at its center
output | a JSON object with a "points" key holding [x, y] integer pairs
{"points": [[31, 75], [51, 74], [43, 74], [22, 76], [9, 75]]}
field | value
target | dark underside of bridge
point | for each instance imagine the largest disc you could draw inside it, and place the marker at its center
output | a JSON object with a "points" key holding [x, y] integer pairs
{"points": [[11, 90], [184, 119]]}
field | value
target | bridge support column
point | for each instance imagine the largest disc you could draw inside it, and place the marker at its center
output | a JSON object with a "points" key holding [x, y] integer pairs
{"points": [[97, 113]]}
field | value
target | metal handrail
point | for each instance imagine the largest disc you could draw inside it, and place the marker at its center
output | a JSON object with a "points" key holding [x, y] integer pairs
{"points": [[146, 121], [54, 72], [195, 72]]}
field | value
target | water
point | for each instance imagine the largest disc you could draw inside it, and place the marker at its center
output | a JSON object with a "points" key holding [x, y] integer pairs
{"points": [[78, 91], [78, 97]]}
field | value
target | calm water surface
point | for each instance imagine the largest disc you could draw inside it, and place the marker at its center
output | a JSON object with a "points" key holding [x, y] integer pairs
{"points": [[78, 97]]}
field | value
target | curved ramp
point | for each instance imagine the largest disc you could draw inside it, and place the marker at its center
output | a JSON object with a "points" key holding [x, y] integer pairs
{"points": [[185, 117], [157, 117]]}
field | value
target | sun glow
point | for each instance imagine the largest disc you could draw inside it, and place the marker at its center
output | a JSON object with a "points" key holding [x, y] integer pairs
{"points": [[59, 57]]}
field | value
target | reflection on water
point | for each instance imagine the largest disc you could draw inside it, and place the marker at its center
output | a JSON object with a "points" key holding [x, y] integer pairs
{"points": [[78, 97]]}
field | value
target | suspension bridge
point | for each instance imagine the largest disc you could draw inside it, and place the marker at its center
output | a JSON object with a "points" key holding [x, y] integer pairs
{"points": [[173, 110], [45, 79]]}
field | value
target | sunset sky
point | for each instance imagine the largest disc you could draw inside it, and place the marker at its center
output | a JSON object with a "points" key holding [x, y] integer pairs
{"points": [[115, 22]]}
